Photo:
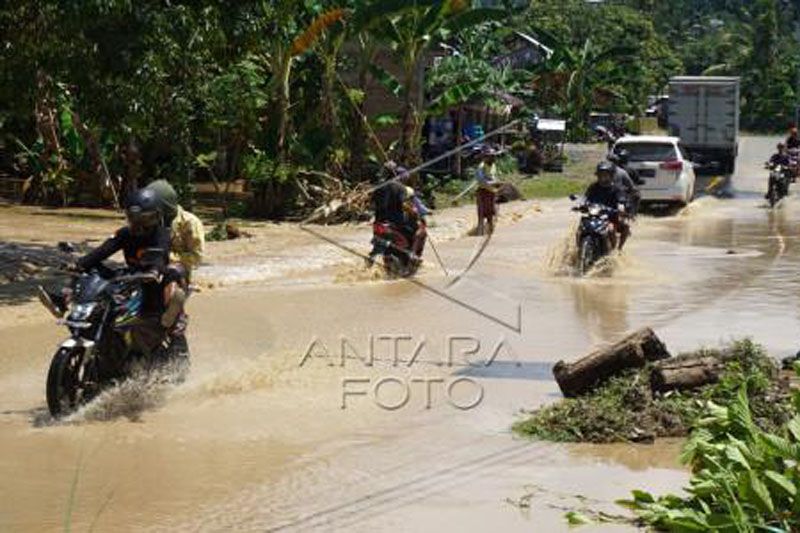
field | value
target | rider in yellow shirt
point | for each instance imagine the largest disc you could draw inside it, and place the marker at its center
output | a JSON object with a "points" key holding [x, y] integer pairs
{"points": [[187, 242]]}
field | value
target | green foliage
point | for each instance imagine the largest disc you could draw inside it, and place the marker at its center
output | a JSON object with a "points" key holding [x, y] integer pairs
{"points": [[743, 477], [624, 408], [154, 84]]}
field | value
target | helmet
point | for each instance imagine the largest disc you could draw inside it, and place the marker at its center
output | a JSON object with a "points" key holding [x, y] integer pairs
{"points": [[604, 167], [781, 147], [623, 156], [604, 171], [167, 198], [143, 212]]}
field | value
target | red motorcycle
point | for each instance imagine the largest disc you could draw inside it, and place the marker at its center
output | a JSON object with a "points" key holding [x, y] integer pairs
{"points": [[394, 243]]}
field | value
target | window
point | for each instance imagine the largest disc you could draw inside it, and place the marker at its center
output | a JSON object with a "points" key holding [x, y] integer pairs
{"points": [[649, 151]]}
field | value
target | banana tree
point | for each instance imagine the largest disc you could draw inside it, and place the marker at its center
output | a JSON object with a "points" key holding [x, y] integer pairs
{"points": [[572, 78], [410, 34]]}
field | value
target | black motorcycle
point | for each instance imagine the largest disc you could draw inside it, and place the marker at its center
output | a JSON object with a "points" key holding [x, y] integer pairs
{"points": [[111, 336], [597, 236], [780, 176]]}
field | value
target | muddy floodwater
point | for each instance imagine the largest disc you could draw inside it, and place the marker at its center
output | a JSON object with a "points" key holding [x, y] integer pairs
{"points": [[323, 397]]}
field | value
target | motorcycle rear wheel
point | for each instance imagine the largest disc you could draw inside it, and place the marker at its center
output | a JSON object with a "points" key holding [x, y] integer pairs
{"points": [[66, 389]]}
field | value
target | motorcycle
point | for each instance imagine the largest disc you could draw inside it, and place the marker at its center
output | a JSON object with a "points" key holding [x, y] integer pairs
{"points": [[780, 176], [597, 236], [110, 338], [394, 245]]}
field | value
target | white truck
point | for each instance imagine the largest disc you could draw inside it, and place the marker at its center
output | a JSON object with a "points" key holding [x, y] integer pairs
{"points": [[703, 111]]}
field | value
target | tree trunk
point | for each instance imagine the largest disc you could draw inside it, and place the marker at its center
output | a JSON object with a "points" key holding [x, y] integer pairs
{"points": [[458, 169], [686, 374], [283, 106], [409, 136], [634, 351], [103, 185]]}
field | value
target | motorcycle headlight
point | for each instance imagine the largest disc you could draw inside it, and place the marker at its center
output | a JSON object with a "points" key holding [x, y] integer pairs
{"points": [[82, 311]]}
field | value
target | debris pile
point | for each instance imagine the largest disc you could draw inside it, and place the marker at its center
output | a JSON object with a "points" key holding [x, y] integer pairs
{"points": [[332, 200], [634, 391]]}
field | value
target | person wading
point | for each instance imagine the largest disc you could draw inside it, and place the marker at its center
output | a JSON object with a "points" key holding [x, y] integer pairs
{"points": [[486, 177]]}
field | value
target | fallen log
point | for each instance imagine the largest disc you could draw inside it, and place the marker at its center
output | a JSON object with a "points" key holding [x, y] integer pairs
{"points": [[685, 374], [634, 351]]}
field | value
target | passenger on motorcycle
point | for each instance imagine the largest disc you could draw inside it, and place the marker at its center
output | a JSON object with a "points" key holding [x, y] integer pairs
{"points": [[415, 212], [187, 242], [605, 192], [793, 140], [626, 180]]}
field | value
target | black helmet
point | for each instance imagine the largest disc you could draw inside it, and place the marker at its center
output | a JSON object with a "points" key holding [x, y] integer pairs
{"points": [[143, 212], [604, 167], [623, 156]]}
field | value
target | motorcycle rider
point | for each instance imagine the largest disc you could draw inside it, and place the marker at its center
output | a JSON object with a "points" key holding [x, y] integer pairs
{"points": [[145, 230], [780, 158], [605, 192], [397, 204], [187, 242]]}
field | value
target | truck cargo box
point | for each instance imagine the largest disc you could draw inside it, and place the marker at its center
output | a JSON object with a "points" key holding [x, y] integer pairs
{"points": [[704, 112]]}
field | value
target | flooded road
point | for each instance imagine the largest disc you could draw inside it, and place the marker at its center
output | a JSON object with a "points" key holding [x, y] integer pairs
{"points": [[339, 402]]}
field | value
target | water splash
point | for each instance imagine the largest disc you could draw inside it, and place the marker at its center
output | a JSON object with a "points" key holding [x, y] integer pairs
{"points": [[562, 258], [144, 391]]}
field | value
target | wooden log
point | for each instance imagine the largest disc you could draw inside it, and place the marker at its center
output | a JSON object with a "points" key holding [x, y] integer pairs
{"points": [[634, 351], [685, 374]]}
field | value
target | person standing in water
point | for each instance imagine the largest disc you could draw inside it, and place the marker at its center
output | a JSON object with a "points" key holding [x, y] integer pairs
{"points": [[486, 177]]}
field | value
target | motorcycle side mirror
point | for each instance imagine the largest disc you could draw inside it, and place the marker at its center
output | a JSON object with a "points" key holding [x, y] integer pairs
{"points": [[573, 197], [152, 257]]}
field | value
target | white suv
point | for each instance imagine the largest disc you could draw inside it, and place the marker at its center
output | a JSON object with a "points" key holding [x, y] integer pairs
{"points": [[663, 166]]}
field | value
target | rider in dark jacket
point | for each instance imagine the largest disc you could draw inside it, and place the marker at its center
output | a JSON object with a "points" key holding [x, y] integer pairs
{"points": [[780, 158], [144, 242], [605, 192]]}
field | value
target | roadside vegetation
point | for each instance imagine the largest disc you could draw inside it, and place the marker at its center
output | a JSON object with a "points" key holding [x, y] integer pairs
{"points": [[101, 96], [744, 478], [743, 444]]}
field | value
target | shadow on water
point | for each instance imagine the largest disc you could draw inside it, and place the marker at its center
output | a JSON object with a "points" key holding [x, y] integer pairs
{"points": [[23, 266], [530, 370]]}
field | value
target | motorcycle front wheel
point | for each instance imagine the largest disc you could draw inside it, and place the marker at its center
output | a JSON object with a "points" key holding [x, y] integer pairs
{"points": [[588, 254], [66, 389], [773, 196]]}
